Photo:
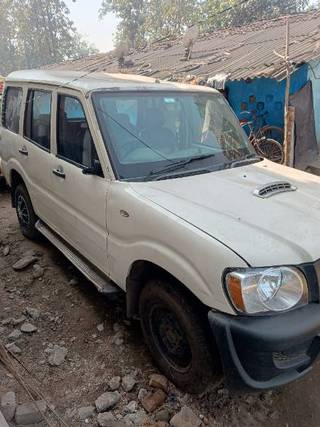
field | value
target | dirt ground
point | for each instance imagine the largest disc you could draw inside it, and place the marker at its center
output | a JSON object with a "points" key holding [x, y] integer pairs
{"points": [[69, 316]]}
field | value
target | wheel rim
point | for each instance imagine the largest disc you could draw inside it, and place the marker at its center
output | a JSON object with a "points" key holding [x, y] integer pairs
{"points": [[23, 211], [170, 339], [272, 150]]}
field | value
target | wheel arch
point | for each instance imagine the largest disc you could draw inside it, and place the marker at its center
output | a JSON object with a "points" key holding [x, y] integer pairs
{"points": [[140, 272], [15, 180]]}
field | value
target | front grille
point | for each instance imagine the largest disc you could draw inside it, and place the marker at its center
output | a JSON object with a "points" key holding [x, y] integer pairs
{"points": [[273, 188]]}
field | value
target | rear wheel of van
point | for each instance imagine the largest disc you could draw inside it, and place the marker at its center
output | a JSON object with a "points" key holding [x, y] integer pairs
{"points": [[25, 213], [177, 337]]}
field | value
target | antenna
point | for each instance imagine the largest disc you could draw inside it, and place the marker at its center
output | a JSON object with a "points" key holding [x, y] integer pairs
{"points": [[189, 39]]}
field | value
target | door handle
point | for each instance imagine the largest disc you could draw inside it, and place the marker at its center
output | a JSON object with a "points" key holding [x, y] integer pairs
{"points": [[59, 172], [23, 151]]}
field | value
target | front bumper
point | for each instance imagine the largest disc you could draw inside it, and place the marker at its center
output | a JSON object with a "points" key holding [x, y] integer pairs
{"points": [[266, 352]]}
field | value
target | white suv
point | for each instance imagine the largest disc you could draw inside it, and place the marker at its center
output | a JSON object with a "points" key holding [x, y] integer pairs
{"points": [[152, 188]]}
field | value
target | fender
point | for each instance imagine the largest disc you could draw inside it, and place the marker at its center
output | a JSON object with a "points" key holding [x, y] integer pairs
{"points": [[150, 233]]}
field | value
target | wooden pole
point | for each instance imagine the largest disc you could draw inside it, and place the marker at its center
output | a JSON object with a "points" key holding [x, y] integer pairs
{"points": [[287, 128]]}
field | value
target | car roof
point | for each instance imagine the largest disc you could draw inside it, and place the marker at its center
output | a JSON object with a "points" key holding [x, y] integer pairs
{"points": [[89, 81]]}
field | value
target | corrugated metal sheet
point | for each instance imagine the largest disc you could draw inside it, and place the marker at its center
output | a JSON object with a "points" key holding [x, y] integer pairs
{"points": [[241, 53]]}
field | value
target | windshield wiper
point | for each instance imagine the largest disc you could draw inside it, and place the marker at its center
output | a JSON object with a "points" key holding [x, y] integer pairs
{"points": [[176, 165], [250, 158]]}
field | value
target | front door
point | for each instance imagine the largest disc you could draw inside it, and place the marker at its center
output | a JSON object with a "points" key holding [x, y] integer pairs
{"points": [[79, 200]]}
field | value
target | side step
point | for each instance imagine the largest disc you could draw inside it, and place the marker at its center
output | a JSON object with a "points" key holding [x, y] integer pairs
{"points": [[102, 283]]}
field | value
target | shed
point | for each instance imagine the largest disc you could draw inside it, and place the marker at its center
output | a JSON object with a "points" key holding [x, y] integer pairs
{"points": [[243, 62]]}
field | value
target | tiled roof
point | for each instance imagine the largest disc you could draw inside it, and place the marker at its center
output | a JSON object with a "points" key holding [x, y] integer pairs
{"points": [[239, 52]]}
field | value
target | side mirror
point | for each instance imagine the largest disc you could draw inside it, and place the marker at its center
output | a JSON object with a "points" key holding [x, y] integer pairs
{"points": [[95, 169]]}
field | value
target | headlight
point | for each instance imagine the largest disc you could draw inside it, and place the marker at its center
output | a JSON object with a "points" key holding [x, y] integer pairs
{"points": [[262, 290]]}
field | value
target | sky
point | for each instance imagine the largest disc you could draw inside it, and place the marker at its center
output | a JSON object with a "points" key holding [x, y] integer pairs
{"points": [[85, 15]]}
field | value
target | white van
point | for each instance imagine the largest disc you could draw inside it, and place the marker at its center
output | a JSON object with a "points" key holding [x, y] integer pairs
{"points": [[152, 188]]}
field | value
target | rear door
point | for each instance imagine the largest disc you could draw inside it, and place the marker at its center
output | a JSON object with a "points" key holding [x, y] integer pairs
{"points": [[10, 131], [79, 200], [35, 149]]}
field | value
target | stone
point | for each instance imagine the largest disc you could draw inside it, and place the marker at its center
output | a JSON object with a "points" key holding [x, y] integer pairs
{"points": [[119, 341], [31, 252], [74, 281], [13, 348], [15, 335], [6, 322], [33, 313], [28, 328], [137, 419], [118, 338], [185, 418], [107, 401], [86, 412], [18, 321], [131, 408], [24, 262], [30, 413], [128, 383], [114, 383], [6, 250], [154, 400], [159, 381], [142, 394], [57, 355], [8, 405], [163, 415], [37, 271], [106, 419], [100, 327]]}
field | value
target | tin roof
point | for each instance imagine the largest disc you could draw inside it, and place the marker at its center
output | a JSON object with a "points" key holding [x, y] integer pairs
{"points": [[237, 53]]}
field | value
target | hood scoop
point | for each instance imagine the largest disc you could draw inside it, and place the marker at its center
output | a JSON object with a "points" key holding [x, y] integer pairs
{"points": [[273, 188]]}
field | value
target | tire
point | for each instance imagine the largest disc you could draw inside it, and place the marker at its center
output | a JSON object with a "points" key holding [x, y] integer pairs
{"points": [[25, 213], [177, 338], [270, 149], [272, 132]]}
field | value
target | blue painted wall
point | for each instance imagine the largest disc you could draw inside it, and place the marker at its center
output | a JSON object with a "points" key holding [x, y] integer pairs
{"points": [[264, 98], [314, 76]]}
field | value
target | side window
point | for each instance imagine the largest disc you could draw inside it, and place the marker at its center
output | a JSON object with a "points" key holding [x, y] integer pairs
{"points": [[12, 108], [38, 117], [74, 141]]}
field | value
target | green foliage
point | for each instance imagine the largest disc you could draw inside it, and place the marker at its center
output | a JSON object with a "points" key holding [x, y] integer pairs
{"points": [[132, 16], [247, 12], [37, 32], [144, 21]]}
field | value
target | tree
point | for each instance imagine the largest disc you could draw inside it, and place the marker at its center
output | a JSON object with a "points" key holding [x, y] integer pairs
{"points": [[170, 17], [132, 20], [37, 32], [143, 21], [228, 13]]}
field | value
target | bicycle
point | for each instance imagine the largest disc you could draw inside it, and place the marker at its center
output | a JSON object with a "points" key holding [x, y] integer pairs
{"points": [[267, 140]]}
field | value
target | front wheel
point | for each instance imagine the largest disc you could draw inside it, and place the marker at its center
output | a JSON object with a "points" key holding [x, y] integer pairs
{"points": [[177, 337], [25, 213]]}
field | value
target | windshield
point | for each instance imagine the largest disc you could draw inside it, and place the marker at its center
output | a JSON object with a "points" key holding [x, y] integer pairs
{"points": [[152, 134]]}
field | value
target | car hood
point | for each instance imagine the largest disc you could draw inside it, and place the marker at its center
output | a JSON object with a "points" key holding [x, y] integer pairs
{"points": [[281, 229]]}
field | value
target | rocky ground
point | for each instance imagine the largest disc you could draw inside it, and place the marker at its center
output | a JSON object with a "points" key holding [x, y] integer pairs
{"points": [[90, 362]]}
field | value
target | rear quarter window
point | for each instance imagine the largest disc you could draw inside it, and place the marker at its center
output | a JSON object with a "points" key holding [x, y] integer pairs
{"points": [[12, 109]]}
